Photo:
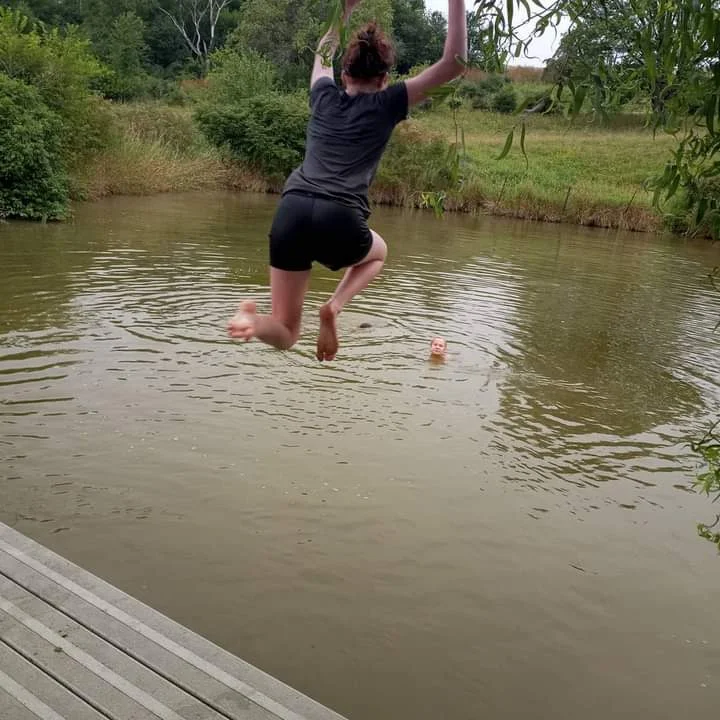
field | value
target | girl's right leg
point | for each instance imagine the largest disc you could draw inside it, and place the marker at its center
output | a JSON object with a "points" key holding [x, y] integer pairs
{"points": [[281, 328]]}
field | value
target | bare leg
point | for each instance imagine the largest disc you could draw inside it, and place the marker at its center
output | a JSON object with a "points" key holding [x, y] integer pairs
{"points": [[281, 328], [356, 279]]}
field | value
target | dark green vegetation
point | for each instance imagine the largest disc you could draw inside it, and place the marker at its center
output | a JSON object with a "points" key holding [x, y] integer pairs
{"points": [[240, 69], [664, 57]]}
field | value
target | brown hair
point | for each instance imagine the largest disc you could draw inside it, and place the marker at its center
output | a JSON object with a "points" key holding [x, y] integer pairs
{"points": [[369, 54]]}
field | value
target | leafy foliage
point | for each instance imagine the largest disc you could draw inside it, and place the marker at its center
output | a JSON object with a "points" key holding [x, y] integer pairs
{"points": [[33, 182], [265, 131], [504, 101], [708, 481], [61, 67], [419, 35], [492, 92], [238, 75], [286, 32], [125, 52], [417, 162], [675, 60]]}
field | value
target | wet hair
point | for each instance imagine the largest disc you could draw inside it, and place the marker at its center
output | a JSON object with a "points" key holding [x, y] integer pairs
{"points": [[369, 55]]}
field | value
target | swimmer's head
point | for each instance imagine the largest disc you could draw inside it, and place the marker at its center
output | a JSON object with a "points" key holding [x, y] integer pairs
{"points": [[438, 347]]}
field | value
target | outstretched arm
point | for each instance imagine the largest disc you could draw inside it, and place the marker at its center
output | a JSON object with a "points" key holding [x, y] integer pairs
{"points": [[448, 67], [328, 45]]}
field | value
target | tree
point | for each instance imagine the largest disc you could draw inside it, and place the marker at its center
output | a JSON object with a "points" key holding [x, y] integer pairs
{"points": [[196, 21], [677, 63], [476, 41], [49, 119], [33, 179], [616, 37], [604, 36], [125, 52], [419, 35], [287, 32], [62, 68]]}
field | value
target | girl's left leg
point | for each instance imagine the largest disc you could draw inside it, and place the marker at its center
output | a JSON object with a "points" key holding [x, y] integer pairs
{"points": [[356, 279], [281, 328]]}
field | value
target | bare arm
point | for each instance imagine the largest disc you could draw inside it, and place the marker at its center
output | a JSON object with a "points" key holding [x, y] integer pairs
{"points": [[327, 47], [448, 67]]}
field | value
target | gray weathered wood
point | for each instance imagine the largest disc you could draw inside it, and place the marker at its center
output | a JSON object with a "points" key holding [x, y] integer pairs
{"points": [[86, 650]]}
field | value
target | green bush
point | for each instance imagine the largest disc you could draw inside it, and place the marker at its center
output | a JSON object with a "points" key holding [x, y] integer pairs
{"points": [[265, 131], [504, 101], [33, 181], [493, 92], [123, 87], [493, 83], [238, 75], [62, 68], [415, 161]]}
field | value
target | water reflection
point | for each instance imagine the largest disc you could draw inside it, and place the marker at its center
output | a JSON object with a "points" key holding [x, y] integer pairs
{"points": [[381, 512]]}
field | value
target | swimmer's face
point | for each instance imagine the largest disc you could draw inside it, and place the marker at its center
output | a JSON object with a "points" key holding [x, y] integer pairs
{"points": [[438, 347]]}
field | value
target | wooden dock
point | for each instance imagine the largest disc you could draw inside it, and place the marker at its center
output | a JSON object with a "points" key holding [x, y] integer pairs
{"points": [[73, 647]]}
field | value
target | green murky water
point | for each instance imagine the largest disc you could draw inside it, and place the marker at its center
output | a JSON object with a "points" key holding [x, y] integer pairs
{"points": [[504, 536]]}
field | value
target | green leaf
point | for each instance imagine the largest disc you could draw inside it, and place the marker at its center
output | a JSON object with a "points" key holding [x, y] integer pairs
{"points": [[441, 93], [522, 146], [701, 210], [710, 106], [579, 99], [508, 145]]}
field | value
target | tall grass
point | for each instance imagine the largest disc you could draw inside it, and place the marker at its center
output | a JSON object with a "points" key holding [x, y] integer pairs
{"points": [[582, 173], [155, 149]]}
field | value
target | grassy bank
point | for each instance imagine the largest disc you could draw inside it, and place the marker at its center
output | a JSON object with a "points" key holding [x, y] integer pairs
{"points": [[157, 148], [579, 173]]}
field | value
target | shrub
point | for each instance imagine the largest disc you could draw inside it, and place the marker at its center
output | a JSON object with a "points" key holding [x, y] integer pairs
{"points": [[61, 67], [237, 75], [493, 83], [415, 161], [484, 91], [504, 101], [265, 131], [33, 182]]}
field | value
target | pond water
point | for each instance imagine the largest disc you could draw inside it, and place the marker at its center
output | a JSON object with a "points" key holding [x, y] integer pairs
{"points": [[507, 535]]}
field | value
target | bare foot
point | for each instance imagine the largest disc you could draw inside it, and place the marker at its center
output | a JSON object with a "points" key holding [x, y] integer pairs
{"points": [[242, 324], [327, 343]]}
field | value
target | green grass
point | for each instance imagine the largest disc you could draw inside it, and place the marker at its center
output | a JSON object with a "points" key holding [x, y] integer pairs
{"points": [[157, 148], [580, 172]]}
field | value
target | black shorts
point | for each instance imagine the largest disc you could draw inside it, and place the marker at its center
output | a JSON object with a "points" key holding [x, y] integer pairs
{"points": [[309, 229]]}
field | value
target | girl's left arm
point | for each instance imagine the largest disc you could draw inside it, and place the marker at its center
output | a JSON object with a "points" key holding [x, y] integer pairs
{"points": [[328, 45]]}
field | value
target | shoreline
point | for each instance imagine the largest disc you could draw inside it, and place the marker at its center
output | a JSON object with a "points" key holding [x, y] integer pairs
{"points": [[235, 178], [587, 176]]}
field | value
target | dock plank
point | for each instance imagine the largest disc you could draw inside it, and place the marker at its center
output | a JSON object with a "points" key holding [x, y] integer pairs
{"points": [[27, 680], [119, 651]]}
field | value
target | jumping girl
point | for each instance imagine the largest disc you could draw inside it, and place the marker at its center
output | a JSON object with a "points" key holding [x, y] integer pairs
{"points": [[324, 209]]}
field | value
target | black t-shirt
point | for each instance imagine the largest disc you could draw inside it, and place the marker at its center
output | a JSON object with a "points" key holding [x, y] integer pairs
{"points": [[346, 137]]}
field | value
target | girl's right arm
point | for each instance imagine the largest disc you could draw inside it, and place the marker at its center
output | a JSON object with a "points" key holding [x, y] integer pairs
{"points": [[448, 67]]}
